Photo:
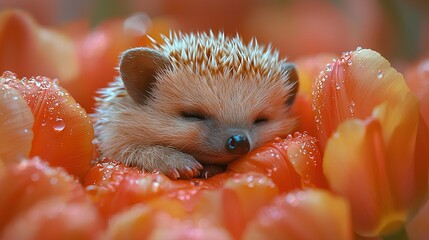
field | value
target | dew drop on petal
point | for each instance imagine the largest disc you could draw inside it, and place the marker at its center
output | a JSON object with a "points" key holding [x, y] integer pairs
{"points": [[35, 177], [59, 125], [358, 49], [379, 74], [53, 181]]}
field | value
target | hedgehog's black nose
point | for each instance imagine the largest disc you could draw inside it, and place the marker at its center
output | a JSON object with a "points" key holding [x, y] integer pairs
{"points": [[238, 144]]}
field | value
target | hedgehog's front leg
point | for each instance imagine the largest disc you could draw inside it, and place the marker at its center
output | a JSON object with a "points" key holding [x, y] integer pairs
{"points": [[169, 161]]}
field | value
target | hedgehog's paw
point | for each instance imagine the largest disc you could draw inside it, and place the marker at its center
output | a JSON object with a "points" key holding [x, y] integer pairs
{"points": [[179, 165], [210, 170]]}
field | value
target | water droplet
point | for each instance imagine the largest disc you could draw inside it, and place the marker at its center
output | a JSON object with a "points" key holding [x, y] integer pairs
{"points": [[35, 177], [379, 74], [59, 125], [328, 67], [349, 62], [337, 86], [358, 49], [352, 108], [53, 181], [43, 123]]}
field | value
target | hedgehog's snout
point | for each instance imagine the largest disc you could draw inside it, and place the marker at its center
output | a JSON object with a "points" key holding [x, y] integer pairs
{"points": [[238, 144]]}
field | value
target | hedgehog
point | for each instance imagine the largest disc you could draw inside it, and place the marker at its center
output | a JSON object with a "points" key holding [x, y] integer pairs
{"points": [[190, 105]]}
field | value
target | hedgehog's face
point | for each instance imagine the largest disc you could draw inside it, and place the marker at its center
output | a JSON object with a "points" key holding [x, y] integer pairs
{"points": [[215, 118]]}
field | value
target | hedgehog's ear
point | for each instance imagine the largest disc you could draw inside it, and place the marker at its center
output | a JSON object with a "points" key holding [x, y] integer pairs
{"points": [[289, 70], [138, 68]]}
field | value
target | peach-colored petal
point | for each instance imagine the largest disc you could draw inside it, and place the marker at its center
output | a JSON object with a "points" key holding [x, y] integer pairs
{"points": [[418, 227], [31, 50], [29, 182], [55, 218], [146, 222], [351, 87], [417, 77], [371, 163], [300, 215], [16, 123]]}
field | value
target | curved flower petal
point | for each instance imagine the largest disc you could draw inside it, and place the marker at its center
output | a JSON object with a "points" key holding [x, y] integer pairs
{"points": [[371, 163], [62, 130], [351, 87], [29, 182], [417, 77], [237, 202], [292, 163], [16, 122], [31, 50], [56, 219], [309, 214], [418, 227]]}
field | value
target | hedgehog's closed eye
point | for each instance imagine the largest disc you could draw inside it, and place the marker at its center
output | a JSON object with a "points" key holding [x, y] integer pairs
{"points": [[260, 120], [193, 116]]}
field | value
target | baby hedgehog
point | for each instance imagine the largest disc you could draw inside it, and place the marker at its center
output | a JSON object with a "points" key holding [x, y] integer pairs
{"points": [[189, 106]]}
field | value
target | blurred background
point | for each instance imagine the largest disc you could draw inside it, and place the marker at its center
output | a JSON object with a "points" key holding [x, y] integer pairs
{"points": [[395, 28], [81, 39]]}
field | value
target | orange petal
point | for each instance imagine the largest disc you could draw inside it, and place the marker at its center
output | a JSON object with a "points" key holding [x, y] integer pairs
{"points": [[351, 87], [371, 164], [309, 69], [418, 227], [56, 219], [293, 162], [32, 181], [417, 77], [145, 222], [238, 201], [115, 187], [16, 122], [308, 214], [31, 50], [62, 130]]}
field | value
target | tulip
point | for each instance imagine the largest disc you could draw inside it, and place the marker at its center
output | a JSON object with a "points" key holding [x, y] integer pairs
{"points": [[369, 122]]}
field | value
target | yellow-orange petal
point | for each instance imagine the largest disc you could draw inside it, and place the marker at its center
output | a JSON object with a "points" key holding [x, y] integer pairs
{"points": [[351, 87], [371, 163], [16, 123], [31, 50], [300, 215]]}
